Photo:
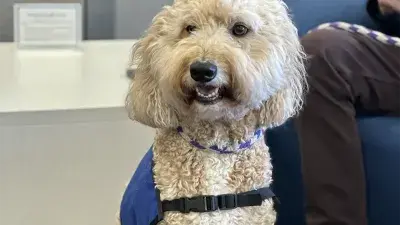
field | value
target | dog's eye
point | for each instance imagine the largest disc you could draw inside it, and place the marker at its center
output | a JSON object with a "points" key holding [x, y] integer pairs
{"points": [[190, 29], [239, 30]]}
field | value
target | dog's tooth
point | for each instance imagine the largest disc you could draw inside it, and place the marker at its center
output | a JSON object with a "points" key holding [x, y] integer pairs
{"points": [[207, 95]]}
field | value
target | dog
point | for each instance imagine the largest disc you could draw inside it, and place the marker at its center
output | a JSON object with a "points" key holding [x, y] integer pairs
{"points": [[211, 77]]}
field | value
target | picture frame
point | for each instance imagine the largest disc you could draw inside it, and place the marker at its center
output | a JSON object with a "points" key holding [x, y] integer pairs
{"points": [[48, 25]]}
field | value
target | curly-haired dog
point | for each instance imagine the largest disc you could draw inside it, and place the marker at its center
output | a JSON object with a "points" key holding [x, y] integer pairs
{"points": [[211, 76]]}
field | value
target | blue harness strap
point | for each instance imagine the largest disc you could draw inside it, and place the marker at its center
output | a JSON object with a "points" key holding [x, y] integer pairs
{"points": [[139, 202]]}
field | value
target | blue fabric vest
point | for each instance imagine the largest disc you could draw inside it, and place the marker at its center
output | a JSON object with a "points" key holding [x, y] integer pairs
{"points": [[139, 202]]}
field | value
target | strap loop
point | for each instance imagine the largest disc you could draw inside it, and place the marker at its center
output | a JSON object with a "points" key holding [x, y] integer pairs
{"points": [[227, 201]]}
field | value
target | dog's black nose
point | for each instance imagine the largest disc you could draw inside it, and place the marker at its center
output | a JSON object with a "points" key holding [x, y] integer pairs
{"points": [[203, 71]]}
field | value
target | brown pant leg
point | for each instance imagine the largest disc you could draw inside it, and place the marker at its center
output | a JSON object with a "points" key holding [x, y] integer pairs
{"points": [[346, 72]]}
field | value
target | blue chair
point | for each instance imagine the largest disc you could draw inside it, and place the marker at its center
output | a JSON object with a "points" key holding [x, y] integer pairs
{"points": [[380, 135]]}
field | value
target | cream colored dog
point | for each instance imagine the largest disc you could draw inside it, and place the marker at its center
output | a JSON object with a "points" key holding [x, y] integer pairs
{"points": [[210, 74]]}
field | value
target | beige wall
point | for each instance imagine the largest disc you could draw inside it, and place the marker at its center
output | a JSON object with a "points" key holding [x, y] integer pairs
{"points": [[67, 168]]}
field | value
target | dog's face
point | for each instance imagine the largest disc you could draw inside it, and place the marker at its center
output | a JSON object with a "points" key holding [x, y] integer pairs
{"points": [[216, 59]]}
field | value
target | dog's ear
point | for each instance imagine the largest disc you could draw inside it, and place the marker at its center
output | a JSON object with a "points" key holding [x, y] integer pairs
{"points": [[280, 107], [287, 102], [144, 101]]}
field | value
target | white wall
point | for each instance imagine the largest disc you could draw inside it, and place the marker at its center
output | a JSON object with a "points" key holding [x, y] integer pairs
{"points": [[67, 168]]}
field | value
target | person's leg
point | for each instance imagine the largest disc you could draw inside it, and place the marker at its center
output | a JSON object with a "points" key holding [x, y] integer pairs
{"points": [[346, 71]]}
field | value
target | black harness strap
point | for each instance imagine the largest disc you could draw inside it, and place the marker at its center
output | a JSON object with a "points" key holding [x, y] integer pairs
{"points": [[219, 202], [213, 203]]}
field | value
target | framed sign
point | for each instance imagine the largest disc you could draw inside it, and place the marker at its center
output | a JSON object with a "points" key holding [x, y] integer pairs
{"points": [[44, 25]]}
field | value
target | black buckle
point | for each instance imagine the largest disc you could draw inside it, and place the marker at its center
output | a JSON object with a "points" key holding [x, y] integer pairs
{"points": [[207, 203], [198, 204], [227, 202]]}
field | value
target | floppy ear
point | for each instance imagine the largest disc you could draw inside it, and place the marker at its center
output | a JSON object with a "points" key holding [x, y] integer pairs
{"points": [[144, 101], [282, 106], [288, 101]]}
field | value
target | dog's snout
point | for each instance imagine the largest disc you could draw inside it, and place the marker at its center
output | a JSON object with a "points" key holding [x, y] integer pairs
{"points": [[203, 71]]}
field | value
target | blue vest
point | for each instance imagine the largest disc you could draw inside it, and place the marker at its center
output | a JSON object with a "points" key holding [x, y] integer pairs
{"points": [[139, 202]]}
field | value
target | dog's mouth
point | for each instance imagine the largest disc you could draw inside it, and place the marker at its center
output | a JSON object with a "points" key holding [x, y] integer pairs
{"points": [[208, 95]]}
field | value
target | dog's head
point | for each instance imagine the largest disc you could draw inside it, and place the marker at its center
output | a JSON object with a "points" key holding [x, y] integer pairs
{"points": [[217, 60]]}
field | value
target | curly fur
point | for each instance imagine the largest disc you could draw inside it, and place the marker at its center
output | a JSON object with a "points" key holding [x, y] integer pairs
{"points": [[265, 72]]}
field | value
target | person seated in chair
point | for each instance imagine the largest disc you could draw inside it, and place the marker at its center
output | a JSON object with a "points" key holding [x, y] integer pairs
{"points": [[349, 73]]}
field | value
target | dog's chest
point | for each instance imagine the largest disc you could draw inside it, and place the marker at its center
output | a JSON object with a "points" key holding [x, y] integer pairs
{"points": [[181, 170]]}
